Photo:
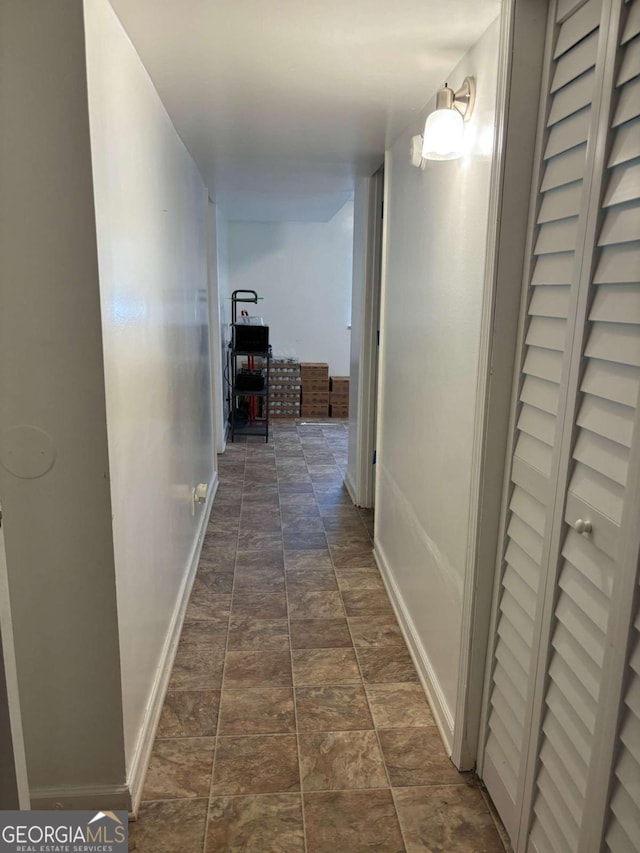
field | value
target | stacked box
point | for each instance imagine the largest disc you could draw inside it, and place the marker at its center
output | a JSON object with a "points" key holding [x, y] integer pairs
{"points": [[338, 411], [315, 389], [315, 386], [340, 385], [312, 371], [339, 397], [284, 388]]}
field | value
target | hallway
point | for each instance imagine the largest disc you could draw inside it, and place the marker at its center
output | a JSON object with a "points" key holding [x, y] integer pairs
{"points": [[294, 719]]}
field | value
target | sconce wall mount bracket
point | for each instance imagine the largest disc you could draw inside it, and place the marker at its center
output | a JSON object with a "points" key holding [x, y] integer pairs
{"points": [[463, 99]]}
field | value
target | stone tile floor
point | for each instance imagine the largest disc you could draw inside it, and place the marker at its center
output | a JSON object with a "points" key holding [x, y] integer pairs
{"points": [[294, 719]]}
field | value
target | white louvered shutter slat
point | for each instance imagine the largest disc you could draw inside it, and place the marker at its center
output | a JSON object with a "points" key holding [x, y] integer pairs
{"points": [[540, 394], [622, 223], [630, 66], [567, 166], [537, 423], [549, 300], [632, 24], [611, 381], [557, 237], [626, 145], [624, 182], [560, 203], [568, 134], [579, 25], [616, 303], [628, 103], [554, 269], [610, 420], [576, 62]]}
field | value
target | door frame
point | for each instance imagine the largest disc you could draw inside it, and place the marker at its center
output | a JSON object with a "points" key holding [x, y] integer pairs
{"points": [[15, 783], [523, 32], [362, 489]]}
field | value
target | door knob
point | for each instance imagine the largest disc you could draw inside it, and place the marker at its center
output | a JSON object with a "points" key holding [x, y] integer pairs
{"points": [[582, 526]]}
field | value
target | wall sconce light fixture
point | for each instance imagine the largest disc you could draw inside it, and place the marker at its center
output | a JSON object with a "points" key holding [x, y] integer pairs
{"points": [[444, 128]]}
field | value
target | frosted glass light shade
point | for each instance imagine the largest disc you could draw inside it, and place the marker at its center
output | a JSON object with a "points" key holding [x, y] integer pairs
{"points": [[443, 135]]}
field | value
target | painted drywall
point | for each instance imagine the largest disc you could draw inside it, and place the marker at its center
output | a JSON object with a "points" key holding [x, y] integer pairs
{"points": [[436, 232], [151, 214], [54, 478], [303, 270]]}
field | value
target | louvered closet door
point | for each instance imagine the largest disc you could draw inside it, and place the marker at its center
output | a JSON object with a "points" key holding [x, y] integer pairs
{"points": [[593, 575], [560, 211], [552, 718], [622, 231]]}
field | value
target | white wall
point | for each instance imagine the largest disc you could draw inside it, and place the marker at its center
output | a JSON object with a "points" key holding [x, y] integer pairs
{"points": [[434, 270], [151, 214], [303, 270], [54, 471]]}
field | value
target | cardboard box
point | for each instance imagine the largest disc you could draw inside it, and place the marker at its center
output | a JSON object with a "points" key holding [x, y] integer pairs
{"points": [[339, 411], [314, 411], [315, 386], [314, 370], [337, 398], [315, 398], [340, 384]]}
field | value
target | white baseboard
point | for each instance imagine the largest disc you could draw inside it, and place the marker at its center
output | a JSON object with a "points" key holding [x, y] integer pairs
{"points": [[140, 761], [99, 797], [441, 712], [351, 488]]}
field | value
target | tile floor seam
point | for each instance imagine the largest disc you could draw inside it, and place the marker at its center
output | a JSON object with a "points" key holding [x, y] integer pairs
{"points": [[375, 728], [293, 687], [224, 666]]}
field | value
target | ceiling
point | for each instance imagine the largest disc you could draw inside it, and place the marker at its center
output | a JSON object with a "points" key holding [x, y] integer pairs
{"points": [[282, 103]]}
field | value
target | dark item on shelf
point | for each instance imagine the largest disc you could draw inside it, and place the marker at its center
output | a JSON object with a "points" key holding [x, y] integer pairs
{"points": [[250, 338], [250, 380], [239, 417]]}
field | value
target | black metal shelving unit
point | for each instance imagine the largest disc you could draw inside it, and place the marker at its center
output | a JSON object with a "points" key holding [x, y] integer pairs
{"points": [[242, 399], [258, 426]]}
